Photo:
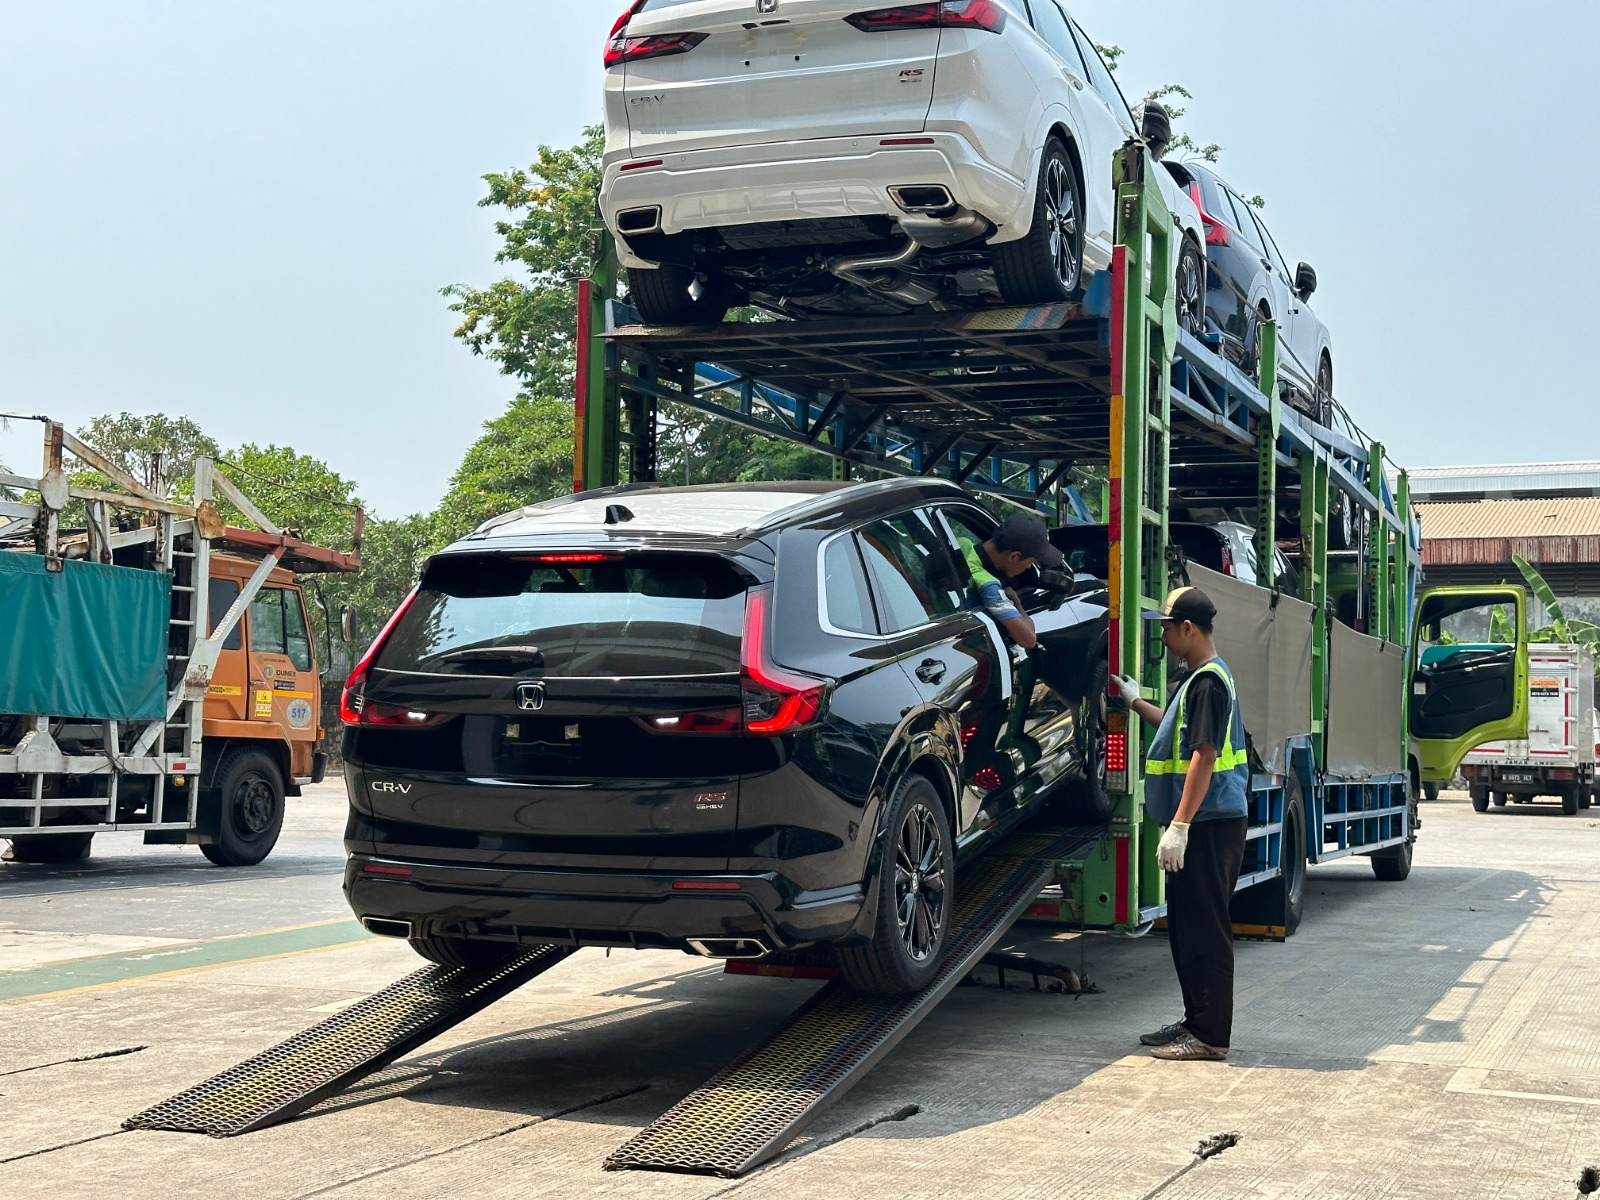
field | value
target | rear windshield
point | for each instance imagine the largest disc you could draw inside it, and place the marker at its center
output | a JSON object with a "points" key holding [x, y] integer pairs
{"points": [[632, 615], [652, 5]]}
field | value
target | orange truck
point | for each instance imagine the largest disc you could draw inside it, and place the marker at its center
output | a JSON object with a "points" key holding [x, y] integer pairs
{"points": [[158, 670]]}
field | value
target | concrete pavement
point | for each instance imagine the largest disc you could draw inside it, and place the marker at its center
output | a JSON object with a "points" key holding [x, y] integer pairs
{"points": [[1439, 1037]]}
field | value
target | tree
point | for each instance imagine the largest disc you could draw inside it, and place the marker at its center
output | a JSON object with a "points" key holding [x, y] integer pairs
{"points": [[524, 456], [157, 450]]}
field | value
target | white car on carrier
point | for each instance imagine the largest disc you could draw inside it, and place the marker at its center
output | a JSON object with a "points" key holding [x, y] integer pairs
{"points": [[826, 156]]}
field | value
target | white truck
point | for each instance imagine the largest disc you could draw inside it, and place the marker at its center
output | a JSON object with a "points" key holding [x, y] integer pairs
{"points": [[1557, 758]]}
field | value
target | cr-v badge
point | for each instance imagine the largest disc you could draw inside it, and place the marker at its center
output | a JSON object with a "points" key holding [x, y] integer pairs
{"points": [[530, 696]]}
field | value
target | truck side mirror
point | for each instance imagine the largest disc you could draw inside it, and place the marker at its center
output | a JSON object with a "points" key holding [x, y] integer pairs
{"points": [[1305, 281], [1155, 126], [349, 624]]}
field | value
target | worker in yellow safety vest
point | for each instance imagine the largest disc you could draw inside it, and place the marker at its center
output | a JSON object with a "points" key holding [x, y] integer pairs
{"points": [[1197, 784]]}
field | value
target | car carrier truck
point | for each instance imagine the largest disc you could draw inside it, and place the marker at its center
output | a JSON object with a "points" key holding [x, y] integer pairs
{"points": [[1347, 723], [157, 670]]}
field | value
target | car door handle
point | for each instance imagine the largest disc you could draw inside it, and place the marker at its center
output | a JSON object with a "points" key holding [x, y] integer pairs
{"points": [[931, 670]]}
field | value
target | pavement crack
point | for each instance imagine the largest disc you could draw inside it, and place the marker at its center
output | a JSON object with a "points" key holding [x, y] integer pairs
{"points": [[903, 1113], [608, 1098], [99, 1137], [1208, 1148], [81, 1059]]}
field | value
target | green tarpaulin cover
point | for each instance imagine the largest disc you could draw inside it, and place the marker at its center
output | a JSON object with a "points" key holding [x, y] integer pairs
{"points": [[87, 642]]}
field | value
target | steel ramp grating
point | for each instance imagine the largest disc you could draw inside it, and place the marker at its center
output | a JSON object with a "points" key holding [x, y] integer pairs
{"points": [[295, 1075], [750, 1110]]}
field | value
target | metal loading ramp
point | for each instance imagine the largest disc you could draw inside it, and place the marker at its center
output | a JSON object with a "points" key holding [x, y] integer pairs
{"points": [[749, 1111], [298, 1074]]}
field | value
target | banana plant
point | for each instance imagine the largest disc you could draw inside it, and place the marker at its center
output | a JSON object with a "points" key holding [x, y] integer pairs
{"points": [[1546, 596]]}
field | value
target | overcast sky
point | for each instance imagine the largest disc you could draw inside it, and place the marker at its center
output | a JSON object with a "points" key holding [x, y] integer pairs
{"points": [[245, 212]]}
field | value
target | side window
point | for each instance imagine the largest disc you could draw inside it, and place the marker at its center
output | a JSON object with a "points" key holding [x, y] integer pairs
{"points": [[296, 637], [1101, 81], [1272, 247], [967, 523], [915, 576], [278, 626], [845, 594], [221, 595], [1244, 221], [1053, 29], [266, 622]]}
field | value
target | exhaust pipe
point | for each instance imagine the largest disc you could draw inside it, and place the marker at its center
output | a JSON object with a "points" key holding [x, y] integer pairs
{"points": [[385, 927], [898, 284], [729, 947]]}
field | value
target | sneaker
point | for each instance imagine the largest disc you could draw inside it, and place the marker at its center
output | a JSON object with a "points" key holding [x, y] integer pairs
{"points": [[1164, 1036], [1190, 1049]]}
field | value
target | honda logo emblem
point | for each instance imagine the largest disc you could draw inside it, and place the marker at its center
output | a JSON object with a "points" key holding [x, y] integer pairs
{"points": [[530, 696], [766, 6]]}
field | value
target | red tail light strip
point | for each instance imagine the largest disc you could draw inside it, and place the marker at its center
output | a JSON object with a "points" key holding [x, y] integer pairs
{"points": [[987, 15], [352, 699], [625, 49]]}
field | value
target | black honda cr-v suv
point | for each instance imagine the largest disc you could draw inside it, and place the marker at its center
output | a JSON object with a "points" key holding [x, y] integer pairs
{"points": [[731, 720]]}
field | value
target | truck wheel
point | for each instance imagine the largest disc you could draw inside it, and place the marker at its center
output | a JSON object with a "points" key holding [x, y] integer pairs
{"points": [[249, 799], [915, 894], [1585, 796], [1293, 880], [1085, 798], [1500, 799], [462, 952], [1569, 800], [1047, 264], [1480, 799], [663, 296], [1394, 864], [1430, 791], [50, 848]]}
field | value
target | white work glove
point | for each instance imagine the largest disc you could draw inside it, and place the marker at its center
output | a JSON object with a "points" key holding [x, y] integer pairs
{"points": [[1174, 845], [1128, 687]]}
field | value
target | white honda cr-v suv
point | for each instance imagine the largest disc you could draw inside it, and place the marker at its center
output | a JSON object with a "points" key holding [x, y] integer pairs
{"points": [[826, 156]]}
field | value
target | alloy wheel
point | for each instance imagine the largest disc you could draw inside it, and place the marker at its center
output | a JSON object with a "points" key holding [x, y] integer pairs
{"points": [[1191, 293], [919, 883], [1061, 219]]}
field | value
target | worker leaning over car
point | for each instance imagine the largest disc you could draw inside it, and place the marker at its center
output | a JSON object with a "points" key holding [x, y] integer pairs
{"points": [[1020, 544], [1197, 782]]}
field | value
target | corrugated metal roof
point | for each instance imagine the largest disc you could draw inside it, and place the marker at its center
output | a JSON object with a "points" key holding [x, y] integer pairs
{"points": [[1511, 477], [1578, 517]]}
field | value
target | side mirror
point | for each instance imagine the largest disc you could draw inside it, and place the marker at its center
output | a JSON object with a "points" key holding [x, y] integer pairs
{"points": [[349, 624], [1305, 281], [1155, 126]]}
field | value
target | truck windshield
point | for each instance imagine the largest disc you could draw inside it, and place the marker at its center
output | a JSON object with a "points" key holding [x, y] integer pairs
{"points": [[628, 616]]}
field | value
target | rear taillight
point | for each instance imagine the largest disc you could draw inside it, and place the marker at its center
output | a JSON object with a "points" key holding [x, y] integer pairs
{"points": [[1117, 752], [621, 25], [775, 700], [1227, 560], [624, 49], [1216, 231], [950, 14], [353, 700]]}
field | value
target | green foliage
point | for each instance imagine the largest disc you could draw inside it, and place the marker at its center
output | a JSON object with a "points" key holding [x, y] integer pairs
{"points": [[1546, 596], [1500, 631], [527, 325], [523, 457], [157, 450], [298, 492]]}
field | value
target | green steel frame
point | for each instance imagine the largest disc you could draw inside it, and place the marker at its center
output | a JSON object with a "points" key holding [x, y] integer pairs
{"points": [[1015, 432]]}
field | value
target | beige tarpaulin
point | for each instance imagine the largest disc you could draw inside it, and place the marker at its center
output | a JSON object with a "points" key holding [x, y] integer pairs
{"points": [[1365, 677], [1265, 639]]}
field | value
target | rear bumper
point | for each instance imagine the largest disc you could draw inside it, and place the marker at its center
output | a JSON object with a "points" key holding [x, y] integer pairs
{"points": [[805, 180], [638, 909]]}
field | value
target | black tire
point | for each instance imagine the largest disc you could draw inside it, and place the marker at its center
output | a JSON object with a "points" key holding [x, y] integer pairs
{"points": [[461, 952], [1293, 880], [1585, 796], [915, 892], [51, 847], [663, 296], [1047, 264], [1480, 799], [1324, 393], [249, 808], [1501, 799], [1569, 800], [1344, 523], [1190, 289], [1394, 864], [1084, 800], [1430, 791]]}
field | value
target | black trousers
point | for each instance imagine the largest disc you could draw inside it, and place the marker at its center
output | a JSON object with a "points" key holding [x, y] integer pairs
{"points": [[1200, 929]]}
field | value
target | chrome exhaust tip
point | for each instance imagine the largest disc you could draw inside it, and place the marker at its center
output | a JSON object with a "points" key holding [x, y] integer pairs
{"points": [[386, 927], [931, 198], [639, 220], [729, 947]]}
